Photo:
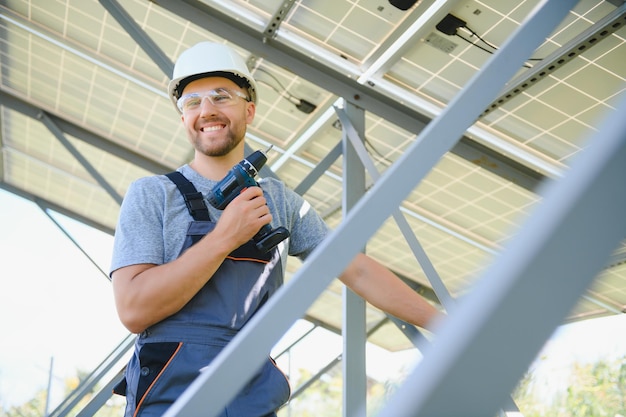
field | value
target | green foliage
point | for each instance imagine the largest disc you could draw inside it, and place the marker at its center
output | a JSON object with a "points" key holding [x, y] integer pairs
{"points": [[35, 407], [324, 397], [593, 390]]}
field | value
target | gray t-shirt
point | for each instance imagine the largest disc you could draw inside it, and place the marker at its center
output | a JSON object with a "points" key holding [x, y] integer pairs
{"points": [[154, 218]]}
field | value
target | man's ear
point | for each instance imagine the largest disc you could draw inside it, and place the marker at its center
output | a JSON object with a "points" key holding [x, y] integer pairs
{"points": [[250, 112]]}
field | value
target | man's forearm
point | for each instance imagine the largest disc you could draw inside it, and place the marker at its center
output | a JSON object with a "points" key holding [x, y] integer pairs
{"points": [[383, 289]]}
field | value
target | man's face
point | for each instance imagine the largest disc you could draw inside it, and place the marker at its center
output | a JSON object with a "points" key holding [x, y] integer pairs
{"points": [[215, 130]]}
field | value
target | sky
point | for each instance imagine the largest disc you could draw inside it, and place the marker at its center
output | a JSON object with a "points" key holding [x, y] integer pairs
{"points": [[54, 303], [57, 311]]}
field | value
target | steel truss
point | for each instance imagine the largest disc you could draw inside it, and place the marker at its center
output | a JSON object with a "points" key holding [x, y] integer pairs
{"points": [[489, 338]]}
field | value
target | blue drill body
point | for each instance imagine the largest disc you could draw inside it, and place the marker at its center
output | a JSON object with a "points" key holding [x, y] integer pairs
{"points": [[240, 177]]}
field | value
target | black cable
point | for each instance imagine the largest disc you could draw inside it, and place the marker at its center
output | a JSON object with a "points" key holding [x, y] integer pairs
{"points": [[470, 30], [478, 36], [378, 155], [475, 44], [301, 104], [284, 93], [490, 45], [381, 157]]}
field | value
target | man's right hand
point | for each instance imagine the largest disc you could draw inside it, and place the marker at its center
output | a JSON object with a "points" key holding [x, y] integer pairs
{"points": [[243, 217]]}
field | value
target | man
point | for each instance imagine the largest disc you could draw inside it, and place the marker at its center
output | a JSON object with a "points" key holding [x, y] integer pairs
{"points": [[187, 285]]}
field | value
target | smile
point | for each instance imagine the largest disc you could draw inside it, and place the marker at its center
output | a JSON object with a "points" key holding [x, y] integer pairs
{"points": [[212, 128]]}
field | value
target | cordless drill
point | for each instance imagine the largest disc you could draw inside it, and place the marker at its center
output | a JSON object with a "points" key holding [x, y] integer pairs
{"points": [[240, 177]]}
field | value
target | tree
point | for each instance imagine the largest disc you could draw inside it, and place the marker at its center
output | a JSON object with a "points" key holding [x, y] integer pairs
{"points": [[324, 397], [598, 390], [593, 390], [35, 406], [31, 408]]}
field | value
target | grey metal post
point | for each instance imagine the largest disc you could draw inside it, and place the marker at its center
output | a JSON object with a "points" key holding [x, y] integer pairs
{"points": [[414, 244], [354, 331], [440, 289]]}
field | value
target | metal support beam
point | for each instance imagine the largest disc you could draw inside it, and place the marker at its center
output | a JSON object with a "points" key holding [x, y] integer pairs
{"points": [[139, 35], [435, 280], [581, 43], [230, 370], [31, 110], [45, 210], [102, 396], [330, 365], [58, 134], [334, 79], [276, 19], [566, 241], [319, 169], [354, 332], [429, 270], [48, 205], [88, 384]]}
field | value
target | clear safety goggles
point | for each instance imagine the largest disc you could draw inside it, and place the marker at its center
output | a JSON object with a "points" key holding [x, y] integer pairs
{"points": [[220, 97]]}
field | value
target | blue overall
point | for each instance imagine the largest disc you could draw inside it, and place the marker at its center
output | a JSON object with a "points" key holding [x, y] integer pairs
{"points": [[169, 355]]}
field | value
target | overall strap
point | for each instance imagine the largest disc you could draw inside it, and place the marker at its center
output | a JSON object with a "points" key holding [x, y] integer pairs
{"points": [[194, 200]]}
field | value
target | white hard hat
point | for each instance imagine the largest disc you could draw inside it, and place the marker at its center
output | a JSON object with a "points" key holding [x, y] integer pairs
{"points": [[207, 59]]}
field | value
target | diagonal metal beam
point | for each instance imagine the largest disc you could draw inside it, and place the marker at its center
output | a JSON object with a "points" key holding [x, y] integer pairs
{"points": [[319, 170], [230, 370], [66, 126], [444, 296], [572, 49], [58, 134], [99, 399], [435, 280], [139, 35], [88, 384], [71, 239], [559, 251]]}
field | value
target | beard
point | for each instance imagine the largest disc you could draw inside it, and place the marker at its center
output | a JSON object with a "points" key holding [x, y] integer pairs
{"points": [[217, 146]]}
